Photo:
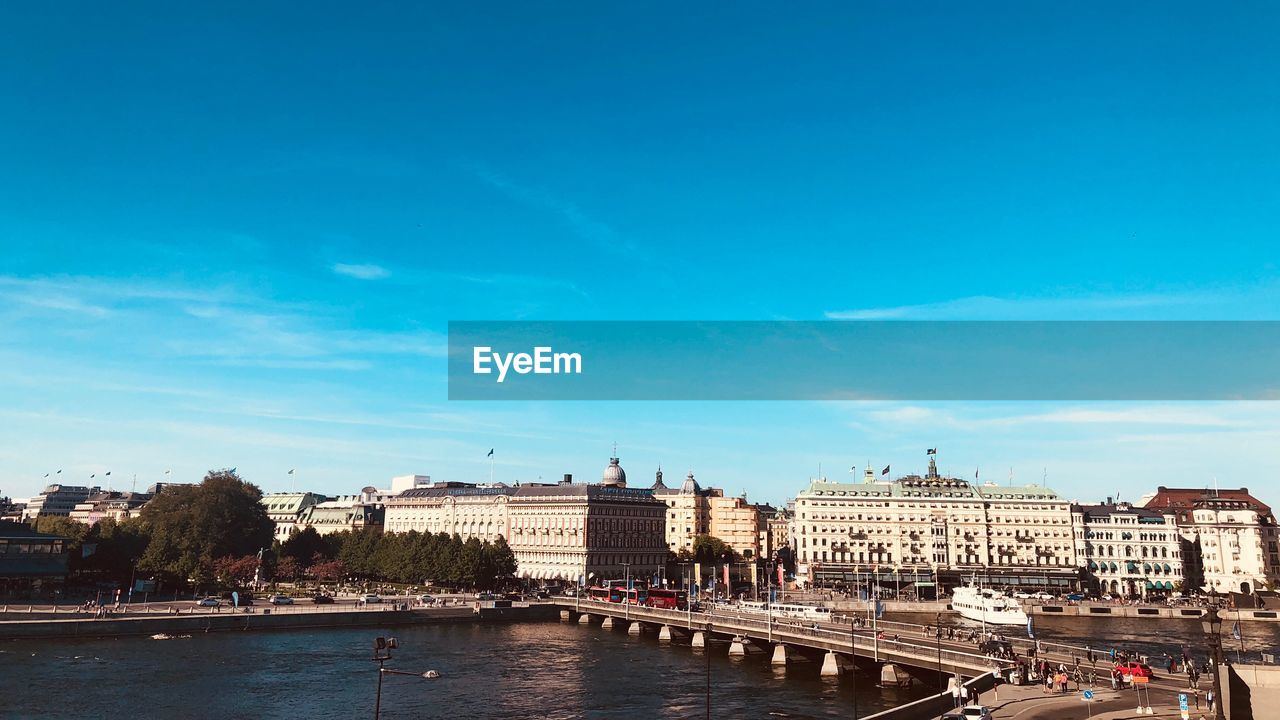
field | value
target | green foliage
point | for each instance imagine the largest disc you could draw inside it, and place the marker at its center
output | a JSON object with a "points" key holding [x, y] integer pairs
{"points": [[193, 526], [713, 550], [414, 557], [303, 547]]}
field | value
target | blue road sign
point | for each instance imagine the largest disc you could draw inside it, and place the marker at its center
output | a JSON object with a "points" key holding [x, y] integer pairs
{"points": [[1088, 694], [1182, 702]]}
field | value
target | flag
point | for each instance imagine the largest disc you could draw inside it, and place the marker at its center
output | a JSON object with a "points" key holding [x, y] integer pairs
{"points": [[107, 474], [728, 588], [879, 609], [93, 476], [885, 471], [46, 474], [931, 451], [490, 453], [58, 473], [233, 471], [1235, 630], [975, 473], [1031, 630], [781, 576], [290, 471]]}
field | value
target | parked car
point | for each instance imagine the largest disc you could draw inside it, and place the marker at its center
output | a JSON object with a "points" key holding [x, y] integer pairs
{"points": [[281, 600], [1075, 597], [209, 602], [1134, 669], [322, 600], [1044, 596], [1022, 595], [370, 599], [486, 596], [427, 600], [975, 712]]}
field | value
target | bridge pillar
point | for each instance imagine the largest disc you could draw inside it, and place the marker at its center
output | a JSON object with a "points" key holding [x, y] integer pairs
{"points": [[608, 622], [664, 635], [699, 639], [584, 619], [566, 614], [738, 647], [779, 655], [634, 629], [830, 665]]}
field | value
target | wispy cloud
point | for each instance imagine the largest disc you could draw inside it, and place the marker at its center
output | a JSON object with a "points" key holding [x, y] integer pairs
{"points": [[365, 271], [1235, 302], [574, 217], [1200, 415]]}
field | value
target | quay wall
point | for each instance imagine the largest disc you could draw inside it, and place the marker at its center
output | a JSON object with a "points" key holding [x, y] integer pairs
{"points": [[225, 622]]}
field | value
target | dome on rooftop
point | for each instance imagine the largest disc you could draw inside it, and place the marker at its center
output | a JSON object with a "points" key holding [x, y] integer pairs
{"points": [[614, 475], [690, 486]]}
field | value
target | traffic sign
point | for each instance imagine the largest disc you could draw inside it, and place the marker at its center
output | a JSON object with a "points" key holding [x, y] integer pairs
{"points": [[1141, 679], [1182, 702], [1088, 695]]}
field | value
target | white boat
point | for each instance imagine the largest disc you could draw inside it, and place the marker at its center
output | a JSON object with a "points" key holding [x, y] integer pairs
{"points": [[987, 606]]}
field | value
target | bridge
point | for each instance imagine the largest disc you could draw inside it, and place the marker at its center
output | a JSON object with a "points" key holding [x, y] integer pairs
{"points": [[841, 646]]}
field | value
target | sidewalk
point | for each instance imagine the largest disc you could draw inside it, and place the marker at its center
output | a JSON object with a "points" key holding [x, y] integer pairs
{"points": [[1030, 702]]}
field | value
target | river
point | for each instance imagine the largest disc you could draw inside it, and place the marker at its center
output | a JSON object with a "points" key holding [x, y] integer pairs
{"points": [[534, 670]]}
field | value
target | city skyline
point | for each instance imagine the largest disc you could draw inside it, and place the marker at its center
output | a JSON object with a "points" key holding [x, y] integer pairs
{"points": [[241, 247]]}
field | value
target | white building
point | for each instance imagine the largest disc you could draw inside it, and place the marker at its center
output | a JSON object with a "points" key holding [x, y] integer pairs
{"points": [[1128, 551], [57, 501], [932, 529], [284, 509], [467, 510], [1234, 533]]}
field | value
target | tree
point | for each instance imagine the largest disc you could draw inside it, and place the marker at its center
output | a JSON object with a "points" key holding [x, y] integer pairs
{"points": [[235, 571], [288, 569], [192, 526], [709, 549], [329, 570], [305, 545]]}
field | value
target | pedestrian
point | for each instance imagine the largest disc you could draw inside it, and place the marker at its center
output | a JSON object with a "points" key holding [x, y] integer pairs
{"points": [[1213, 701]]}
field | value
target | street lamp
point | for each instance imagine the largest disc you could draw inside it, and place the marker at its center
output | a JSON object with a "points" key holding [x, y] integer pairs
{"points": [[937, 629], [1211, 624], [382, 648]]}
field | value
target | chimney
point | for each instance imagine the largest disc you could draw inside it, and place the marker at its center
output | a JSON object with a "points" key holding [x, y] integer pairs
{"points": [[568, 479]]}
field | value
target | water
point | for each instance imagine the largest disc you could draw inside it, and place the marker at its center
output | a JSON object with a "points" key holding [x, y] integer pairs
{"points": [[538, 670]]}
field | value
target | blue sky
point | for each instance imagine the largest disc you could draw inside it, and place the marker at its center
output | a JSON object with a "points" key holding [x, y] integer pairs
{"points": [[233, 237]]}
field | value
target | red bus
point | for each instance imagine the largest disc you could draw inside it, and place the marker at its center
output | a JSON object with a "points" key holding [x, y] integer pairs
{"points": [[619, 594], [667, 599]]}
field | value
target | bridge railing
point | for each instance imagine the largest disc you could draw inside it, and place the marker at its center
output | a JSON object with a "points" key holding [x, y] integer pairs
{"points": [[795, 630]]}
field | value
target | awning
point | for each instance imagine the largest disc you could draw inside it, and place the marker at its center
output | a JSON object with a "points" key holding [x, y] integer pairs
{"points": [[1093, 565], [1132, 566], [1114, 567], [1146, 567], [1150, 585], [1167, 569]]}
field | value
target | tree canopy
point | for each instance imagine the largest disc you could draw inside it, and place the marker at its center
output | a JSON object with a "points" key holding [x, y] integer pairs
{"points": [[193, 526]]}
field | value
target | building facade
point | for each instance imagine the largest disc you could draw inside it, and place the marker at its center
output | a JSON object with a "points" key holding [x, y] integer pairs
{"points": [[113, 505], [345, 513], [284, 509], [589, 532], [1128, 551], [455, 508], [736, 522], [933, 529], [1233, 532], [57, 501], [688, 514]]}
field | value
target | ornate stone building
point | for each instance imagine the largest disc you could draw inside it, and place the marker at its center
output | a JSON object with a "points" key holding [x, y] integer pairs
{"points": [[688, 515], [461, 508], [598, 532], [1128, 551], [1233, 533], [933, 529]]}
